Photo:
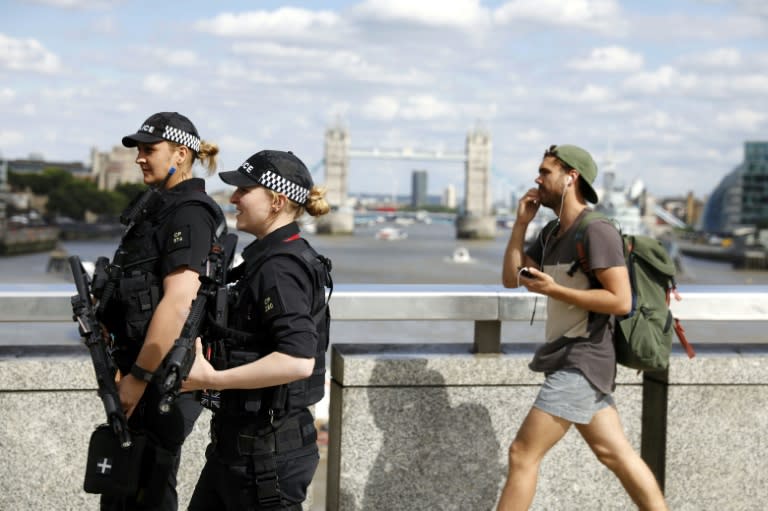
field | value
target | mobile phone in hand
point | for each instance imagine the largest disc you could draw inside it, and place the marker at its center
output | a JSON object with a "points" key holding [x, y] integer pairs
{"points": [[527, 274]]}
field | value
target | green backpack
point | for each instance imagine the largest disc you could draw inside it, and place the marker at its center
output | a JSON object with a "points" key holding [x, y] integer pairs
{"points": [[643, 338]]}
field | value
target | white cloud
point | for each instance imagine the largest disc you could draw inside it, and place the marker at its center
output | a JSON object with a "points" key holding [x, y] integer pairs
{"points": [[337, 111], [11, 138], [601, 16], [325, 65], [751, 7], [174, 57], [426, 107], [106, 26], [456, 13], [743, 119], [126, 107], [727, 58], [707, 84], [589, 94], [610, 58], [745, 84], [665, 78], [76, 4], [275, 50], [281, 23], [422, 107], [381, 108], [234, 70], [241, 148], [157, 84], [64, 94], [7, 95], [697, 27], [657, 120], [532, 135], [617, 106], [27, 55]]}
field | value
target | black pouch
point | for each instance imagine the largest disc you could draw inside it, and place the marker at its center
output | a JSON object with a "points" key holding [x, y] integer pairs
{"points": [[111, 469]]}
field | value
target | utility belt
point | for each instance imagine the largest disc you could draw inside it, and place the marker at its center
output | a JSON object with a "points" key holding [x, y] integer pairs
{"points": [[243, 402], [233, 439]]}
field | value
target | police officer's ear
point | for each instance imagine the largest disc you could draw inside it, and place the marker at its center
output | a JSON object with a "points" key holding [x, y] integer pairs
{"points": [[279, 202], [182, 152]]}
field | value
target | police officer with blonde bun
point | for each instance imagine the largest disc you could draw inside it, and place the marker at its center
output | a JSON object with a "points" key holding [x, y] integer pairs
{"points": [[267, 367]]}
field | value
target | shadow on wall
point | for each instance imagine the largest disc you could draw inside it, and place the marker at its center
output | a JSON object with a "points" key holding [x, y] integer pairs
{"points": [[432, 454]]}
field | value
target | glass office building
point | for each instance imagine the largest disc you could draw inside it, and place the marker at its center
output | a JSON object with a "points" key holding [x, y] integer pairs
{"points": [[741, 198]]}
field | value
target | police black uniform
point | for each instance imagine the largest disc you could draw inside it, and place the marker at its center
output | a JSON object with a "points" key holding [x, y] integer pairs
{"points": [[263, 452], [178, 232]]}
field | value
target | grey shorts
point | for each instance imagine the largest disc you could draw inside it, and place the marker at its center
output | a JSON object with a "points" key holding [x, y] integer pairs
{"points": [[569, 395]]}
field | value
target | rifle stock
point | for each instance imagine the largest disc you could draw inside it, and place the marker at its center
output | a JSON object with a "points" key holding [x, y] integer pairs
{"points": [[178, 362], [94, 339]]}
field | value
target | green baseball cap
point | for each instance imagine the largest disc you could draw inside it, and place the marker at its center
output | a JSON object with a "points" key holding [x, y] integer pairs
{"points": [[582, 161]]}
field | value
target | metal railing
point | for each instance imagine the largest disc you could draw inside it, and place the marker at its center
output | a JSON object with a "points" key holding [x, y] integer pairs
{"points": [[487, 306]]}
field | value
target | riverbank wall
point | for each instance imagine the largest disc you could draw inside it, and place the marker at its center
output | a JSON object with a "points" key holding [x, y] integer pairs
{"points": [[25, 240]]}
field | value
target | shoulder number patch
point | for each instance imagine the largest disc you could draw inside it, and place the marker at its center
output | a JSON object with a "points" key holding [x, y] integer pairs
{"points": [[271, 303], [178, 238]]}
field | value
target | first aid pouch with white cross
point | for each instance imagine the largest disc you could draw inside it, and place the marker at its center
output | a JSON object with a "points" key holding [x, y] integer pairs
{"points": [[113, 469]]}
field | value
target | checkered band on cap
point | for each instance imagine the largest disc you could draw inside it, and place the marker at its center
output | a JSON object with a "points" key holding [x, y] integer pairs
{"points": [[279, 184], [182, 137]]}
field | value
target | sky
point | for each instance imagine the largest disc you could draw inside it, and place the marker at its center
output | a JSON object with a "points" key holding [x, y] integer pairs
{"points": [[665, 92]]}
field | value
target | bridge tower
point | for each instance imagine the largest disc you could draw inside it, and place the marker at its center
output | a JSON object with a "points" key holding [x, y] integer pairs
{"points": [[477, 220], [341, 218]]}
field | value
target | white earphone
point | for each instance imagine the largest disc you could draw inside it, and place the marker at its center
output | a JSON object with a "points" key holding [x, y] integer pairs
{"points": [[570, 180]]}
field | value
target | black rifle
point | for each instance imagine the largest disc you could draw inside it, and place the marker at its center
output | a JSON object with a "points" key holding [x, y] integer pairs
{"points": [[178, 361], [94, 337]]}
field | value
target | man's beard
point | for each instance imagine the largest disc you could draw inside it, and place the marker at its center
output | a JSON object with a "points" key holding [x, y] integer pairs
{"points": [[548, 200]]}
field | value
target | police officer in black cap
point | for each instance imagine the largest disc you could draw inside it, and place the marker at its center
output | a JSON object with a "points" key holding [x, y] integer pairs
{"points": [[268, 366], [154, 276]]}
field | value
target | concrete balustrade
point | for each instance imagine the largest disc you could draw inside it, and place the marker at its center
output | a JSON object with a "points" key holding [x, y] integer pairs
{"points": [[423, 426]]}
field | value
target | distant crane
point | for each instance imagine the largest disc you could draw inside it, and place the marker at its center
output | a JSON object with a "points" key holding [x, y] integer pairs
{"points": [[668, 217]]}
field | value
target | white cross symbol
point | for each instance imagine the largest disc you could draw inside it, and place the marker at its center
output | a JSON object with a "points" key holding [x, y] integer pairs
{"points": [[104, 466]]}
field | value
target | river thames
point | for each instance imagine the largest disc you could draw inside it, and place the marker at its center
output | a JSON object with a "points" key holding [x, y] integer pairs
{"points": [[423, 257]]}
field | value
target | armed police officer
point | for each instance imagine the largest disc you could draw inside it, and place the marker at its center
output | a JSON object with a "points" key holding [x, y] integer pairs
{"points": [[152, 280], [269, 365]]}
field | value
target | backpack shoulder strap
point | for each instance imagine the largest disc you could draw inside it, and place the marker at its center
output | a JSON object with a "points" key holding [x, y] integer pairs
{"points": [[550, 228], [582, 257]]}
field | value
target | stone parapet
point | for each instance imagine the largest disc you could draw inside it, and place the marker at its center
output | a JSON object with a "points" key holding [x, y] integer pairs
{"points": [[427, 427]]}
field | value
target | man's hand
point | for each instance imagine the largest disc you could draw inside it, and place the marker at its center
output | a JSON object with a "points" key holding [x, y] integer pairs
{"points": [[130, 389], [528, 206], [538, 282]]}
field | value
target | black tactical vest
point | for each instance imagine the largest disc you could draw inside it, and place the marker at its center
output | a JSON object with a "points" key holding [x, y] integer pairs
{"points": [[242, 342], [140, 287]]}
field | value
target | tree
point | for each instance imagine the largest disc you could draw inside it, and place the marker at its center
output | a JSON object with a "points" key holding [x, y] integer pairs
{"points": [[71, 200], [40, 184]]}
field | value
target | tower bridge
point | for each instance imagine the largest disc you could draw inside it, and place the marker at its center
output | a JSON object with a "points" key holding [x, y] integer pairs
{"points": [[476, 220]]}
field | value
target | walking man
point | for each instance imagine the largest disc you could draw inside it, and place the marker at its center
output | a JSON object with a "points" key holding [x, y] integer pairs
{"points": [[578, 357]]}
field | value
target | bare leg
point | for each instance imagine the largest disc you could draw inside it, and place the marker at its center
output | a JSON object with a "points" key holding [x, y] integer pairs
{"points": [[607, 440], [538, 433]]}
